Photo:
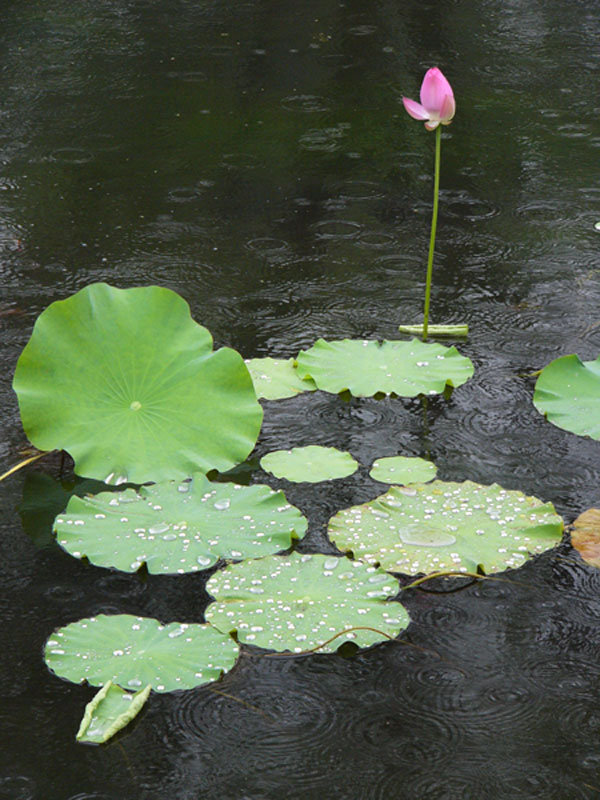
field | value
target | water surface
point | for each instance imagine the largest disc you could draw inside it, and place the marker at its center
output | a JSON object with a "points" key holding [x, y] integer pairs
{"points": [[256, 158]]}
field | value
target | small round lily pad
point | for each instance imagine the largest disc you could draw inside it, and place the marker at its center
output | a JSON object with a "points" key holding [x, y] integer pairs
{"points": [[275, 378], [309, 464], [403, 469], [365, 368], [134, 652], [567, 392], [447, 526], [175, 527], [298, 602], [129, 385]]}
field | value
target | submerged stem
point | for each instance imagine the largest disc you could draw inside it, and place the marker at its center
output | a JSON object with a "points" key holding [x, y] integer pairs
{"points": [[458, 574], [443, 574], [434, 215], [22, 464]]}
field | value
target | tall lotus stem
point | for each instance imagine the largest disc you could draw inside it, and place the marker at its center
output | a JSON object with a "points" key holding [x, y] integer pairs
{"points": [[436, 192]]}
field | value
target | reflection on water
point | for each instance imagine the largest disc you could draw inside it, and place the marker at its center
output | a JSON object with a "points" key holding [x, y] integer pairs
{"points": [[256, 158]]}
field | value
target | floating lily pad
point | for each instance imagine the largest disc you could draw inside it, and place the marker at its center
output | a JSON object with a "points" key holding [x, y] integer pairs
{"points": [[136, 651], [109, 711], [275, 379], [309, 464], [367, 367], [567, 392], [298, 602], [129, 385], [402, 469], [447, 526], [178, 527], [585, 536]]}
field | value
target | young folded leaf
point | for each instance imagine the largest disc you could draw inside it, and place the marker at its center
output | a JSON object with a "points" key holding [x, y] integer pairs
{"points": [[109, 711]]}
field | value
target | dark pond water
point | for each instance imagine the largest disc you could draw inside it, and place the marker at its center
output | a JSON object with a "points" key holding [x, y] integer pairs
{"points": [[255, 157]]}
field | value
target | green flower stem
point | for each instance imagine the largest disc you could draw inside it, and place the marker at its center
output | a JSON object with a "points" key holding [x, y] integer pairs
{"points": [[436, 189]]}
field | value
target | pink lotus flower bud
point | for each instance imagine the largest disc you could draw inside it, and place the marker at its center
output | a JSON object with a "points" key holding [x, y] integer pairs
{"points": [[437, 101]]}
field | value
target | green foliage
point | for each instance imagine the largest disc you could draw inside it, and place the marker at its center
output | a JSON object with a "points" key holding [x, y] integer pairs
{"points": [[136, 651], [110, 710], [299, 602], [177, 527], [402, 469], [129, 385], [567, 392], [310, 464], [447, 526], [275, 379], [365, 368]]}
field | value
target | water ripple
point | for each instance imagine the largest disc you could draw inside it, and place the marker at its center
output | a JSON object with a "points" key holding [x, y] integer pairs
{"points": [[326, 140], [92, 796], [72, 155], [239, 161], [191, 76], [360, 190], [473, 785], [337, 229], [305, 103], [267, 245], [184, 194], [462, 206], [17, 787]]}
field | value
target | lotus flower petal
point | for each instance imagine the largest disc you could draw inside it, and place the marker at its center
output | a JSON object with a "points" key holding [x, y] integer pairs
{"points": [[448, 109], [434, 89], [415, 109]]}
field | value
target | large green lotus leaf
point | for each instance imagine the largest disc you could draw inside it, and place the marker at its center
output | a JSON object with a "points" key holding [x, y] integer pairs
{"points": [[129, 385], [275, 378], [447, 526], [178, 527], [137, 651], [403, 469], [309, 464], [567, 392], [110, 710], [298, 602], [367, 367]]}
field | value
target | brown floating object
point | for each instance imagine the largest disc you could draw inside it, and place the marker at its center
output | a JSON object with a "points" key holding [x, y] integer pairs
{"points": [[585, 536]]}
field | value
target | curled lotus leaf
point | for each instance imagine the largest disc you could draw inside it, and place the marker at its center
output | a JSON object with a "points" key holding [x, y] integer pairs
{"points": [[310, 464], [177, 527], [447, 526], [276, 378], [299, 602], [403, 469], [129, 385], [585, 536], [134, 652], [110, 710], [365, 368], [567, 392]]}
